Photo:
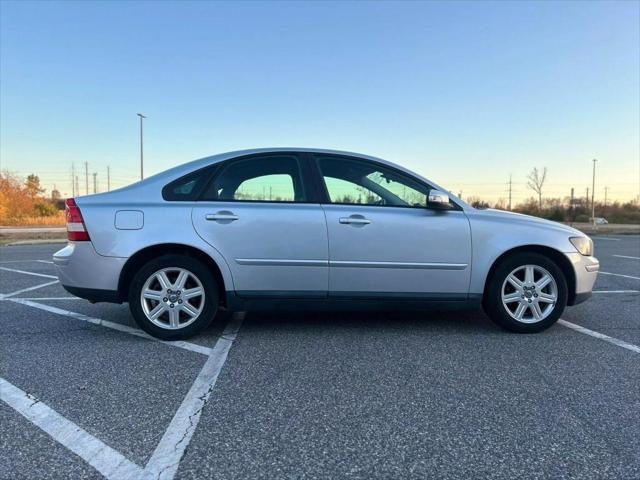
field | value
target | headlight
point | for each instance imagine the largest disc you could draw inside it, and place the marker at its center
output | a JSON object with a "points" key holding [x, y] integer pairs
{"points": [[583, 244]]}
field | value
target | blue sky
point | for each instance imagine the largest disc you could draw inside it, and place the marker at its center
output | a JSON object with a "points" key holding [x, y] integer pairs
{"points": [[463, 92]]}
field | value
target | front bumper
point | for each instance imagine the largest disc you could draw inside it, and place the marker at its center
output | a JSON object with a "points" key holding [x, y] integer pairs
{"points": [[586, 272], [86, 274]]}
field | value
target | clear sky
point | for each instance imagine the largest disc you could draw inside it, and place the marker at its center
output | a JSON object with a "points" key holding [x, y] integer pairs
{"points": [[465, 93]]}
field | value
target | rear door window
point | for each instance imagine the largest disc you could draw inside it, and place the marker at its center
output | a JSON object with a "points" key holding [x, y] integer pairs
{"points": [[272, 178]]}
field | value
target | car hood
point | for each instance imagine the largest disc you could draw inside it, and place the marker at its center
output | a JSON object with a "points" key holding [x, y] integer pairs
{"points": [[513, 218]]}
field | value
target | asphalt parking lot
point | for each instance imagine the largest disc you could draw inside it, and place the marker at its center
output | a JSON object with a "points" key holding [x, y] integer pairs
{"points": [[436, 395]]}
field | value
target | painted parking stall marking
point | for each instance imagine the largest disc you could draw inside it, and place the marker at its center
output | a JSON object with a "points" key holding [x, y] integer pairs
{"points": [[601, 336], [41, 299], [626, 256], [616, 291], [4, 296], [618, 275], [100, 456], [113, 325], [166, 457], [24, 272]]}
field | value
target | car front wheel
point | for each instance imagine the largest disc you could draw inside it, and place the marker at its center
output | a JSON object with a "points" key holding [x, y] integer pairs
{"points": [[527, 293], [173, 297]]}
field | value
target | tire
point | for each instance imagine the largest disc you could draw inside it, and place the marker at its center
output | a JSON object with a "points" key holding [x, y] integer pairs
{"points": [[535, 305], [173, 308]]}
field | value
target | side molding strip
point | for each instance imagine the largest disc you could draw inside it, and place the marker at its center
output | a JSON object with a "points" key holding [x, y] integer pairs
{"points": [[404, 265], [272, 262], [349, 264]]}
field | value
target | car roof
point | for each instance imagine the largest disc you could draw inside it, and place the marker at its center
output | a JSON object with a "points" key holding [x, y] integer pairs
{"points": [[185, 168]]}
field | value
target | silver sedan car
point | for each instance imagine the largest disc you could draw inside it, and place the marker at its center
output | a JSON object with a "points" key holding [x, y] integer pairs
{"points": [[315, 229]]}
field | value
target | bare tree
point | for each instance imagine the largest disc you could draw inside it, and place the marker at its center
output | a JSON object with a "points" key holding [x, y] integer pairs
{"points": [[536, 182]]}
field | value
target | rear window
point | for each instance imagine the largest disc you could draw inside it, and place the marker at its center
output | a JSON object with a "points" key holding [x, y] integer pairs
{"points": [[189, 187]]}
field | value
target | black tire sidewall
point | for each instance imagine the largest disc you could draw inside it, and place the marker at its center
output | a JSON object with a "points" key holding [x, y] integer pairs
{"points": [[182, 261], [493, 295]]}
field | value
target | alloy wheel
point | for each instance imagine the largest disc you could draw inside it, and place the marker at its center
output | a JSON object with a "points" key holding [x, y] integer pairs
{"points": [[172, 298], [529, 294]]}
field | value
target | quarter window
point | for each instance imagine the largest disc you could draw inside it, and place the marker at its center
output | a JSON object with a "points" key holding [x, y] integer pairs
{"points": [[259, 179], [360, 182], [188, 187]]}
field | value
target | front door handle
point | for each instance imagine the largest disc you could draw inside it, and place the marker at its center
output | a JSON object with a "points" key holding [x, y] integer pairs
{"points": [[221, 216], [355, 220]]}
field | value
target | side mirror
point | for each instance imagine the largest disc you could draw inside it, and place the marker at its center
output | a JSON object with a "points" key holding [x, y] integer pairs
{"points": [[438, 200]]}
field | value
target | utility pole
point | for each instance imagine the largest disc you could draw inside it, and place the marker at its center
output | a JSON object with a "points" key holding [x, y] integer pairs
{"points": [[95, 183], [572, 205], [73, 180], [510, 186], [77, 185], [606, 191], [141, 147], [587, 201], [86, 178], [593, 192], [108, 179]]}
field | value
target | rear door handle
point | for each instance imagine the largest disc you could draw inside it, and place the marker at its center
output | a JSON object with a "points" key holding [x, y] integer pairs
{"points": [[221, 216], [359, 220]]}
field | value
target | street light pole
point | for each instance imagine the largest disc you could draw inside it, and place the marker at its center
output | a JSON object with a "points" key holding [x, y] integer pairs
{"points": [[593, 192], [141, 147]]}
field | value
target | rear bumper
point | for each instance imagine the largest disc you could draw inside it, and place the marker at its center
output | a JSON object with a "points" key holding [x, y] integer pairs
{"points": [[86, 274], [586, 272]]}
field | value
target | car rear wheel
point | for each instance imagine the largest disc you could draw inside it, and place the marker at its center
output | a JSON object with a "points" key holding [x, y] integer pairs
{"points": [[173, 297], [527, 293]]}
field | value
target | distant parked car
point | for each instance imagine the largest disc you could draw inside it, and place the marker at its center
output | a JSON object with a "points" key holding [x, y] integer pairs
{"points": [[599, 221], [287, 228]]}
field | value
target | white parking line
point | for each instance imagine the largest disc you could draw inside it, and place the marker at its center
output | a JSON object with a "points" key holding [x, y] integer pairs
{"points": [[27, 273], [606, 238], [115, 326], [4, 296], [616, 291], [164, 462], [618, 275], [36, 299], [25, 261], [627, 256], [100, 456], [601, 336]]}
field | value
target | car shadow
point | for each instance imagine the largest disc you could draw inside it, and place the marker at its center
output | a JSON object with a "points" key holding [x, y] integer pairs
{"points": [[440, 322]]}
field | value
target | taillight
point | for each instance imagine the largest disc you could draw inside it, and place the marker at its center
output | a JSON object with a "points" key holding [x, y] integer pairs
{"points": [[76, 231]]}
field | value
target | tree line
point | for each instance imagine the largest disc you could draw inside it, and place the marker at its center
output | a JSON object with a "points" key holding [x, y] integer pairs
{"points": [[22, 202], [564, 209]]}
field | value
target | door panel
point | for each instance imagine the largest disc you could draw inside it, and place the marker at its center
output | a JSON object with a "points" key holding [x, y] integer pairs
{"points": [[271, 248], [397, 251]]}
